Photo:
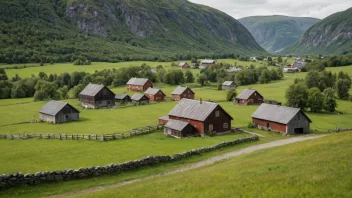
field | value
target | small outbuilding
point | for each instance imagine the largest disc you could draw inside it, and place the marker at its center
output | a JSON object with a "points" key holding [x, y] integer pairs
{"points": [[179, 129], [207, 62], [96, 96], [155, 94], [139, 84], [290, 70], [182, 92], [228, 85], [286, 120], [298, 64], [184, 65], [248, 97], [58, 112], [140, 99], [122, 98]]}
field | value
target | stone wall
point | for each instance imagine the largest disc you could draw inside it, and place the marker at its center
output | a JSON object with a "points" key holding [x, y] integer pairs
{"points": [[19, 179]]}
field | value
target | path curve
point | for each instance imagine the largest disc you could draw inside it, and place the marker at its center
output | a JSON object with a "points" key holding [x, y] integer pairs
{"points": [[196, 165]]}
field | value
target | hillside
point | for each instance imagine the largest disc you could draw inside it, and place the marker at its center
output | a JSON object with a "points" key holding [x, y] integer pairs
{"points": [[113, 30], [275, 33], [332, 35]]}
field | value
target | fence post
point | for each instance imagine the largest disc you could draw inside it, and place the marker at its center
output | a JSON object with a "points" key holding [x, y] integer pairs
{"points": [[96, 136]]}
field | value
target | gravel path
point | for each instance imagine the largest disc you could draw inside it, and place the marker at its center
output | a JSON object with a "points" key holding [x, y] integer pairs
{"points": [[196, 165]]}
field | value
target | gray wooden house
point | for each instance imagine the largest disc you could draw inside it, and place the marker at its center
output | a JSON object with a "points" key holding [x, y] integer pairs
{"points": [[228, 85], [122, 98], [140, 99], [58, 112], [96, 96], [179, 129]]}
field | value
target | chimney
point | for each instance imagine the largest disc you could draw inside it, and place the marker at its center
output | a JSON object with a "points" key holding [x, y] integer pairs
{"points": [[201, 101]]}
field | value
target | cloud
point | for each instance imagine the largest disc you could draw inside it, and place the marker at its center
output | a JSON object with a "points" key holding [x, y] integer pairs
{"points": [[299, 8]]}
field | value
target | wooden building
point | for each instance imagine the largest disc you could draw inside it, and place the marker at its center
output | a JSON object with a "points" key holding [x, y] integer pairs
{"points": [[203, 116], [248, 97], [207, 62], [155, 94], [182, 92], [139, 84], [286, 120], [140, 99], [122, 98], [228, 85], [58, 112], [96, 96], [179, 129], [290, 70], [298, 64], [184, 65]]}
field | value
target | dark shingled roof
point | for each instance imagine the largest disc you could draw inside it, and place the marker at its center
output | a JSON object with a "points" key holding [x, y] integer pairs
{"points": [[245, 94], [153, 91], [137, 97], [54, 107], [137, 81], [228, 83], [91, 89], [121, 96], [193, 109], [176, 125], [179, 90], [276, 113]]}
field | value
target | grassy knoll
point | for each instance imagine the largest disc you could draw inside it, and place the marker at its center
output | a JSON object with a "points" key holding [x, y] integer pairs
{"points": [[316, 168]]}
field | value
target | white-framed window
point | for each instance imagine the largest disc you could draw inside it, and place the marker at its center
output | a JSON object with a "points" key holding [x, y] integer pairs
{"points": [[217, 113], [211, 127], [226, 125]]}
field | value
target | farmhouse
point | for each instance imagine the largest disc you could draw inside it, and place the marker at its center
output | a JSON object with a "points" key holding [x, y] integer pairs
{"points": [[155, 94], [58, 112], [182, 92], [228, 85], [123, 98], [203, 116], [234, 69], [286, 120], [207, 62], [140, 99], [298, 64], [139, 84], [96, 96], [249, 96], [184, 65], [290, 70]]}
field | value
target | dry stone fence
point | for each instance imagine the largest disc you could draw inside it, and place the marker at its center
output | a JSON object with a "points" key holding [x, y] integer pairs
{"points": [[19, 179]]}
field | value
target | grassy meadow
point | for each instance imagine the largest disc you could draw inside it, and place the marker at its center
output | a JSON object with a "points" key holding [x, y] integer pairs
{"points": [[315, 168]]}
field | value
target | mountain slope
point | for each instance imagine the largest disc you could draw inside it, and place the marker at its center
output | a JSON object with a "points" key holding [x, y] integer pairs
{"points": [[101, 30], [274, 33], [332, 35]]}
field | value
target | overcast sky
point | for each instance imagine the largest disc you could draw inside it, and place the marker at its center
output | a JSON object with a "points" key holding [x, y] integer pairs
{"points": [[300, 8]]}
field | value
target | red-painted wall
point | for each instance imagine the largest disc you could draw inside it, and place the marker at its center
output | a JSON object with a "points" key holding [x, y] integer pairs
{"points": [[157, 97], [140, 87], [186, 94], [273, 125]]}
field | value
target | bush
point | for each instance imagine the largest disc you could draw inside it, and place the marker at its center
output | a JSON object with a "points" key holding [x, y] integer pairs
{"points": [[231, 94]]}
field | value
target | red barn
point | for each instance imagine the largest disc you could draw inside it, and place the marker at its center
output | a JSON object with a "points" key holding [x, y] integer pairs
{"points": [[249, 96], [182, 92], [184, 65], [139, 84], [202, 116], [155, 94], [286, 120]]}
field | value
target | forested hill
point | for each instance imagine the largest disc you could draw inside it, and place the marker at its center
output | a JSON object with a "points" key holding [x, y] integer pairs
{"points": [[332, 35], [113, 30], [275, 33]]}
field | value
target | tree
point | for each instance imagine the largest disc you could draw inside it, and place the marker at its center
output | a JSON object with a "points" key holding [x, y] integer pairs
{"points": [[46, 90], [343, 87], [297, 95], [3, 75], [74, 92], [231, 94], [279, 59], [202, 79], [161, 74], [270, 59], [43, 76], [329, 100], [265, 77], [189, 77], [315, 100], [174, 77], [5, 89], [63, 91]]}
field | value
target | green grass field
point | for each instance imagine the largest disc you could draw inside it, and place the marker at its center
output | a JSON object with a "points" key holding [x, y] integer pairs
{"points": [[316, 168]]}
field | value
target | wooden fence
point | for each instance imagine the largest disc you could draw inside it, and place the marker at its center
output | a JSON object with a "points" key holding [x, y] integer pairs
{"points": [[102, 137]]}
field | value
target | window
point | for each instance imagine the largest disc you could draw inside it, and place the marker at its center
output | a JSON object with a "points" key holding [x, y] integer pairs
{"points": [[226, 126], [211, 127], [217, 113]]}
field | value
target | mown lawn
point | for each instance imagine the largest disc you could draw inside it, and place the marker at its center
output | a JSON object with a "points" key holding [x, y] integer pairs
{"points": [[315, 168]]}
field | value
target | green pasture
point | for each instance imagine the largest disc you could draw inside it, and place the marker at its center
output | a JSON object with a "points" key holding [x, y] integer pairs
{"points": [[315, 168]]}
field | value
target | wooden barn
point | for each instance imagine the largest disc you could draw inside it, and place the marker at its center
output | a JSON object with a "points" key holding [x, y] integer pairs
{"points": [[184, 65], [122, 98], [182, 92], [228, 85], [58, 112], [286, 120], [298, 64], [155, 94], [140, 99], [208, 62], [249, 96], [203, 116], [139, 84], [179, 129], [96, 96]]}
